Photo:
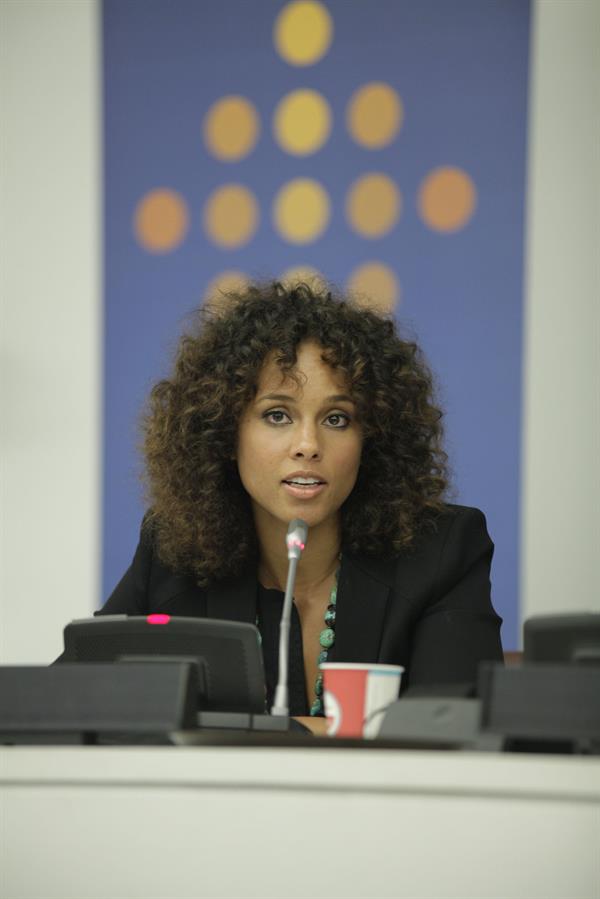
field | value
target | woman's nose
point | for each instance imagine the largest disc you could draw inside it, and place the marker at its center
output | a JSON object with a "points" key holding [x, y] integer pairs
{"points": [[306, 444]]}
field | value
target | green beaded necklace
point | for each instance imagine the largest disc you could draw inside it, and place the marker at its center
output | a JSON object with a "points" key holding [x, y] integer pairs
{"points": [[326, 641]]}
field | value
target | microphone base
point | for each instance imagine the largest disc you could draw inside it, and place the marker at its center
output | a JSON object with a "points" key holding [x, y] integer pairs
{"points": [[242, 721]]}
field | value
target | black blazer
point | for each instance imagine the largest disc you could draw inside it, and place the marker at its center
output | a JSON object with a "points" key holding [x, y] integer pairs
{"points": [[428, 609]]}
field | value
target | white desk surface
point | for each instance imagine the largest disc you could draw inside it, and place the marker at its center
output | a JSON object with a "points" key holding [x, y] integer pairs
{"points": [[122, 823]]}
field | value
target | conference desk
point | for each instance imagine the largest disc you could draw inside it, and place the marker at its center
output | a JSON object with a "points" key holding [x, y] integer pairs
{"points": [[260, 821]]}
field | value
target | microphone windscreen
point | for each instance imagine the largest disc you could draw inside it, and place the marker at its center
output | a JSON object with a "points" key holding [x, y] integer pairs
{"points": [[297, 533]]}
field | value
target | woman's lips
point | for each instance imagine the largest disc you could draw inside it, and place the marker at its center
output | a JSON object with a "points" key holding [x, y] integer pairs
{"points": [[303, 492]]}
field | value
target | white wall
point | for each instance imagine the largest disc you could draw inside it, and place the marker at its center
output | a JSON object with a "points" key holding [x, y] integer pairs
{"points": [[50, 326], [50, 319], [561, 418]]}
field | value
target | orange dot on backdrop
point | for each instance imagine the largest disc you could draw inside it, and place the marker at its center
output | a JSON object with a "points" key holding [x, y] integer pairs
{"points": [[302, 122], [231, 216], [374, 115], [304, 274], [231, 128], [447, 199], [375, 286], [161, 220], [303, 32], [226, 282], [301, 210], [373, 205]]}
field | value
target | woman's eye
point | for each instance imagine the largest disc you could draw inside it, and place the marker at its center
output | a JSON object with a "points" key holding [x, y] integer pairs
{"points": [[338, 420], [276, 417]]}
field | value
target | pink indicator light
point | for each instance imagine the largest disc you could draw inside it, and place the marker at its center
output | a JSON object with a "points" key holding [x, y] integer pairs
{"points": [[158, 619]]}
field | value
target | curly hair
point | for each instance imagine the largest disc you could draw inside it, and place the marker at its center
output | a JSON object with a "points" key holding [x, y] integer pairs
{"points": [[200, 513]]}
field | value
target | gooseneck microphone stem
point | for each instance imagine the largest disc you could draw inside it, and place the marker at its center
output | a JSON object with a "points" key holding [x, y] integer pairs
{"points": [[296, 541], [281, 701]]}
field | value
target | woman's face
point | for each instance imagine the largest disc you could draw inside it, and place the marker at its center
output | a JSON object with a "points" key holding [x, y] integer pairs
{"points": [[299, 445]]}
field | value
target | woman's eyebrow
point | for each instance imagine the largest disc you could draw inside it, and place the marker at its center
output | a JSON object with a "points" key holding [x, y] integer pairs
{"points": [[288, 398], [275, 398], [339, 398]]}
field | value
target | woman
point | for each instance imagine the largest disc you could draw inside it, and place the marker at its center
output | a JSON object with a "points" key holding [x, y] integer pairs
{"points": [[290, 403]]}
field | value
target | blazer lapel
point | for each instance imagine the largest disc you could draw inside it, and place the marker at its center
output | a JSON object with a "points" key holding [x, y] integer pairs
{"points": [[233, 599], [363, 593]]}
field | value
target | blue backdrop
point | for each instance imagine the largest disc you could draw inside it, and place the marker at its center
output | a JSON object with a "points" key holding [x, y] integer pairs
{"points": [[461, 71]]}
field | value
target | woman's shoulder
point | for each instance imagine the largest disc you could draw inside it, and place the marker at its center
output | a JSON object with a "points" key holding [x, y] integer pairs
{"points": [[149, 584], [458, 522], [452, 540], [464, 529], [451, 513]]}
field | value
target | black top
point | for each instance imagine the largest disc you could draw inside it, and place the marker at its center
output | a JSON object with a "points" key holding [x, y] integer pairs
{"points": [[269, 607], [428, 609]]}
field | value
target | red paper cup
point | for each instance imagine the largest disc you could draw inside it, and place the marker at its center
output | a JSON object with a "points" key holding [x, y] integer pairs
{"points": [[356, 696]]}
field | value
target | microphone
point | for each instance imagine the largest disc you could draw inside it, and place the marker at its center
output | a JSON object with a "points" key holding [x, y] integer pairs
{"points": [[295, 540]]}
